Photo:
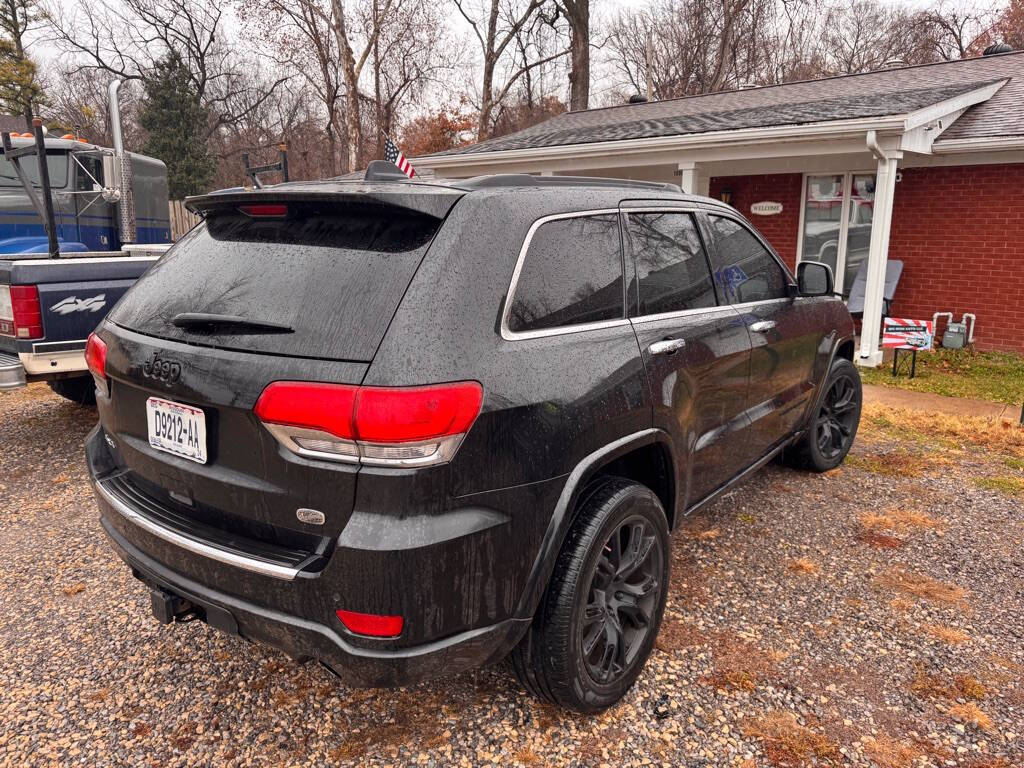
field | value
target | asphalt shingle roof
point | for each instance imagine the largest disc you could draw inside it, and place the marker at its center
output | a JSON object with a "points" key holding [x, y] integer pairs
{"points": [[872, 94]]}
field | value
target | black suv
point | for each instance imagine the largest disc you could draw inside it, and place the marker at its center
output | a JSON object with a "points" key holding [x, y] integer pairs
{"points": [[407, 429]]}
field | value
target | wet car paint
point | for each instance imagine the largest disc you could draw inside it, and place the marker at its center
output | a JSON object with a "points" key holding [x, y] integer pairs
{"points": [[469, 545]]}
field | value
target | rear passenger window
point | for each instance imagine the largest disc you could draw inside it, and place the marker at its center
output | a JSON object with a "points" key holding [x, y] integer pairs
{"points": [[572, 274], [744, 269], [671, 266]]}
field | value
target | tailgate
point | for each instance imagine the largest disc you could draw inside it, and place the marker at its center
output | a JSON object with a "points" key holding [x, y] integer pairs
{"points": [[248, 489]]}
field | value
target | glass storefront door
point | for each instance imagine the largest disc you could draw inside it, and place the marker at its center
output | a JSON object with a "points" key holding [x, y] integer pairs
{"points": [[838, 210]]}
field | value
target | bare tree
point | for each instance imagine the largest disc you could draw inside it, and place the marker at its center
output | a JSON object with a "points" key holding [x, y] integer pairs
{"points": [[954, 30], [413, 52], [126, 39], [496, 25], [300, 32], [352, 67], [578, 14]]}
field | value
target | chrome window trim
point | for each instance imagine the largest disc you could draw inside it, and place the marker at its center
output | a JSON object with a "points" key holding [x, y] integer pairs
{"points": [[506, 332], [194, 545], [715, 310]]}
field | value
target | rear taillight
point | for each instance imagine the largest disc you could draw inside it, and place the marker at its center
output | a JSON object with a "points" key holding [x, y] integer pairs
{"points": [[96, 360], [20, 313], [396, 426], [371, 624]]}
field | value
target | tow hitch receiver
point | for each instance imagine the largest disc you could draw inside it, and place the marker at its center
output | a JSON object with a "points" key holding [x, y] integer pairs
{"points": [[168, 607]]}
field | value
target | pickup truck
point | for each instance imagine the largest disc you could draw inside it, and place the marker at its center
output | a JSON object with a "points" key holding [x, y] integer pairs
{"points": [[72, 241], [48, 308]]}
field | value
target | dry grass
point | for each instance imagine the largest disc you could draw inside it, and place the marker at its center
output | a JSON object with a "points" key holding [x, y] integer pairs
{"points": [[997, 436], [971, 714], [802, 565], [960, 687], [786, 742], [900, 520], [741, 666], [948, 635], [921, 586], [890, 463], [704, 535], [888, 753]]}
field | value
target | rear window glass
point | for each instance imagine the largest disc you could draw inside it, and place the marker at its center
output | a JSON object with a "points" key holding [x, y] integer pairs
{"points": [[671, 266], [572, 274], [334, 275]]}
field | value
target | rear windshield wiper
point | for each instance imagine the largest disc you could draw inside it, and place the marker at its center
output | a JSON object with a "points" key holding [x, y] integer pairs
{"points": [[197, 321]]}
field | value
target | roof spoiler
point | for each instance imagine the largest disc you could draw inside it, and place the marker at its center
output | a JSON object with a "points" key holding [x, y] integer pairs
{"points": [[426, 201]]}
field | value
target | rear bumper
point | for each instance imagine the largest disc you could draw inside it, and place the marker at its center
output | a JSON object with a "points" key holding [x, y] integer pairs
{"points": [[304, 639], [295, 612], [12, 372]]}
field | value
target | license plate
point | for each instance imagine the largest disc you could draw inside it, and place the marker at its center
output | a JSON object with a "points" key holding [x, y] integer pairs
{"points": [[176, 428]]}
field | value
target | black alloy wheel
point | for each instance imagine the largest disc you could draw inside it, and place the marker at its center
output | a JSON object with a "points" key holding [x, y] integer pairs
{"points": [[837, 419], [597, 622], [625, 590], [833, 427]]}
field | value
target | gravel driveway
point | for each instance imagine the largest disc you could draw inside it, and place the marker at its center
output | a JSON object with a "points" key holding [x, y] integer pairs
{"points": [[872, 616]]}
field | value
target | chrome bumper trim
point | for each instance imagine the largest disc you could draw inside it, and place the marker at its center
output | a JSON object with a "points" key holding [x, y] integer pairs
{"points": [[194, 545]]}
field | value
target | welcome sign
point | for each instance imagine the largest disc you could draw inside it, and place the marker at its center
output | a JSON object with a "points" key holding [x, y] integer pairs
{"points": [[766, 208]]}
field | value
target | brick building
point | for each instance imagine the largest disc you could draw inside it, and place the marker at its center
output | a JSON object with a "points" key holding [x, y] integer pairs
{"points": [[924, 165]]}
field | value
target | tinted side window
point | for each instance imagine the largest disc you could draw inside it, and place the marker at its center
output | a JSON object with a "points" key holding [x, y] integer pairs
{"points": [[572, 274], [744, 270], [671, 267]]}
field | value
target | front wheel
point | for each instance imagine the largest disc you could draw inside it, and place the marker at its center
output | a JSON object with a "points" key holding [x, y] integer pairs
{"points": [[598, 620], [833, 427]]}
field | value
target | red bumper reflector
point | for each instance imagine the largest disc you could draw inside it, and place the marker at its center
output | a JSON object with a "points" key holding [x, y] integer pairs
{"points": [[370, 624]]}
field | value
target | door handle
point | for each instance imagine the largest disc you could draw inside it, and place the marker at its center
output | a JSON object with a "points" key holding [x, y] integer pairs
{"points": [[761, 326], [666, 346]]}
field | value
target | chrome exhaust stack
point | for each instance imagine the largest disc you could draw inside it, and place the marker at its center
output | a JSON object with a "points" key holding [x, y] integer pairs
{"points": [[122, 170]]}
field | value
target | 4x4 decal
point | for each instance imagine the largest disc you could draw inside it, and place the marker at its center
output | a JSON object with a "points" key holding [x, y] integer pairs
{"points": [[75, 304]]}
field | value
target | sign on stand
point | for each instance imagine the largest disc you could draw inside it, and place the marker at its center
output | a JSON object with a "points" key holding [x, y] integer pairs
{"points": [[907, 335]]}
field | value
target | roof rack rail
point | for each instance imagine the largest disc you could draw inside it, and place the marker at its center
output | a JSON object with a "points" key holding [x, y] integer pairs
{"points": [[526, 180]]}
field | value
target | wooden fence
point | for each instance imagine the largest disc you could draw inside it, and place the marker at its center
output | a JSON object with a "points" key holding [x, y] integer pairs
{"points": [[182, 219]]}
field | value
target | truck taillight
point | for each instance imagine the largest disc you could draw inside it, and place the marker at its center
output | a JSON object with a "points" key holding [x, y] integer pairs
{"points": [[20, 313], [384, 426], [96, 360]]}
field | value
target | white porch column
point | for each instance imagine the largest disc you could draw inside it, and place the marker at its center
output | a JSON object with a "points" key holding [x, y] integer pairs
{"points": [[878, 255], [692, 178]]}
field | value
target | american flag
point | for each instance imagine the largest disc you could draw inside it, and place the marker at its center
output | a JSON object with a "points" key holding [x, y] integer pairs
{"points": [[394, 155]]}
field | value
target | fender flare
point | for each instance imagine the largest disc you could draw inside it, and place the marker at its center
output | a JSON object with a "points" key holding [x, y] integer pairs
{"points": [[563, 515], [816, 400]]}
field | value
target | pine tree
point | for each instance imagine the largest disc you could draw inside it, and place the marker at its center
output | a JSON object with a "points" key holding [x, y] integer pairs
{"points": [[176, 123], [20, 89]]}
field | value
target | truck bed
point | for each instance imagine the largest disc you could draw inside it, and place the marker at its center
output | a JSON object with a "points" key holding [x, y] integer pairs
{"points": [[75, 292]]}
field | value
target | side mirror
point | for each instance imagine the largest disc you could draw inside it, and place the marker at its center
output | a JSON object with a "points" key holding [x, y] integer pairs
{"points": [[814, 279], [111, 177]]}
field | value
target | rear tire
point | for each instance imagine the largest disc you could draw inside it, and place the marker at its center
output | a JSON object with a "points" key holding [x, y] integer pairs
{"points": [[596, 625], [833, 427], [80, 390]]}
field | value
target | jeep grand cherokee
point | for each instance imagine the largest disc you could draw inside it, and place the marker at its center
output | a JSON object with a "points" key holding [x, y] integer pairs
{"points": [[407, 429]]}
